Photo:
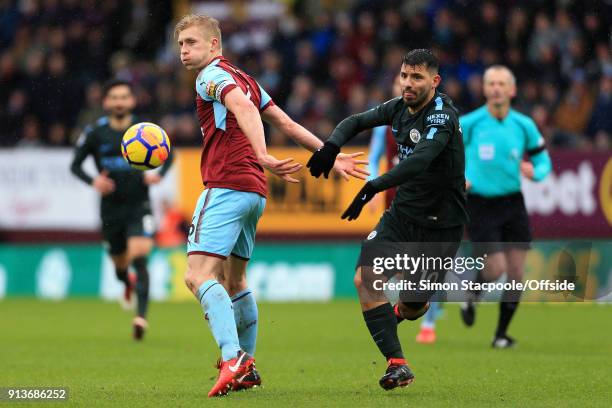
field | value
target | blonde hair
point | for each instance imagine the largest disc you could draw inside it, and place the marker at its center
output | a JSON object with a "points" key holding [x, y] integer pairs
{"points": [[210, 25]]}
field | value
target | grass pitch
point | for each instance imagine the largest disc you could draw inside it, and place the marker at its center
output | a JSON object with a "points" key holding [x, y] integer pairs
{"points": [[316, 355]]}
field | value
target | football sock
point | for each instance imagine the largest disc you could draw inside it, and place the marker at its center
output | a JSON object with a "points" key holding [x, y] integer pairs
{"points": [[246, 316], [429, 319], [382, 324], [507, 307], [479, 279], [142, 285], [122, 274], [398, 316], [217, 307]]}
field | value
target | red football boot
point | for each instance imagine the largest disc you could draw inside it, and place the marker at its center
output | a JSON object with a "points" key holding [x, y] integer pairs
{"points": [[249, 380], [427, 335], [231, 370]]}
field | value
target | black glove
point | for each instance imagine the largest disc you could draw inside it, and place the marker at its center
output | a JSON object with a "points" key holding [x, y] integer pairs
{"points": [[364, 195], [322, 161]]}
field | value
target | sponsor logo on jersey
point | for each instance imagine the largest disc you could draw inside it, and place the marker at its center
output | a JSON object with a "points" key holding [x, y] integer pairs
{"points": [[415, 136], [437, 118], [403, 151]]}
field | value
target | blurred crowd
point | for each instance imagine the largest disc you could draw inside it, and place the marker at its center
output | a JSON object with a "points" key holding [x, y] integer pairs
{"points": [[321, 61]]}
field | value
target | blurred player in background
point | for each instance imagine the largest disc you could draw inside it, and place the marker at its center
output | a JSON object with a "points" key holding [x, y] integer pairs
{"points": [[127, 221], [496, 138], [230, 108], [383, 144], [430, 203]]}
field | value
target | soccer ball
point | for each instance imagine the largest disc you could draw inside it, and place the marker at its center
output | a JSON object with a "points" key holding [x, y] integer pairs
{"points": [[145, 146]]}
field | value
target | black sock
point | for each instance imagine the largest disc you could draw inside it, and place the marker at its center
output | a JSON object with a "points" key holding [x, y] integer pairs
{"points": [[382, 324], [122, 274], [508, 305], [479, 280], [397, 315], [142, 284]]}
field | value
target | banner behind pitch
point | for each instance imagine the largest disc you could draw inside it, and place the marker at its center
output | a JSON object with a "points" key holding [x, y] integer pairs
{"points": [[38, 192], [312, 207], [278, 271], [575, 201]]}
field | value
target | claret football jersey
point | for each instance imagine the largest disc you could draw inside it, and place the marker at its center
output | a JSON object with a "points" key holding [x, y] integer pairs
{"points": [[228, 160]]}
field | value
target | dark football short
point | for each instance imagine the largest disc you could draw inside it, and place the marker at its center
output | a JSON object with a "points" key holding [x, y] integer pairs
{"points": [[498, 223], [122, 222], [394, 236]]}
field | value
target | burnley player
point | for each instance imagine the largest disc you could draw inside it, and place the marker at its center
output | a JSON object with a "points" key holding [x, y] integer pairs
{"points": [[230, 108], [496, 138], [428, 210]]}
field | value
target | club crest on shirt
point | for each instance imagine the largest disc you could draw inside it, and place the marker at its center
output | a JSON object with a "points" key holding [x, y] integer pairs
{"points": [[415, 136], [371, 235]]}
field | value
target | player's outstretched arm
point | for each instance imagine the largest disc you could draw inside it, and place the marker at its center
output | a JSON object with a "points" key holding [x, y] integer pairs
{"points": [[249, 120], [276, 117], [323, 159], [344, 164]]}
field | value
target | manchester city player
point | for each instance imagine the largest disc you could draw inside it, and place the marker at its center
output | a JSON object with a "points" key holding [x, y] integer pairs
{"points": [[125, 208], [496, 139], [430, 203], [382, 144]]}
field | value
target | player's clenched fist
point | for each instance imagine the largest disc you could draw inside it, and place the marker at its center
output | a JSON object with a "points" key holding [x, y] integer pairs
{"points": [[364, 195], [322, 161]]}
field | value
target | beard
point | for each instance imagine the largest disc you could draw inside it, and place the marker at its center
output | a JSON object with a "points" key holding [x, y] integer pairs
{"points": [[120, 113], [416, 101]]}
